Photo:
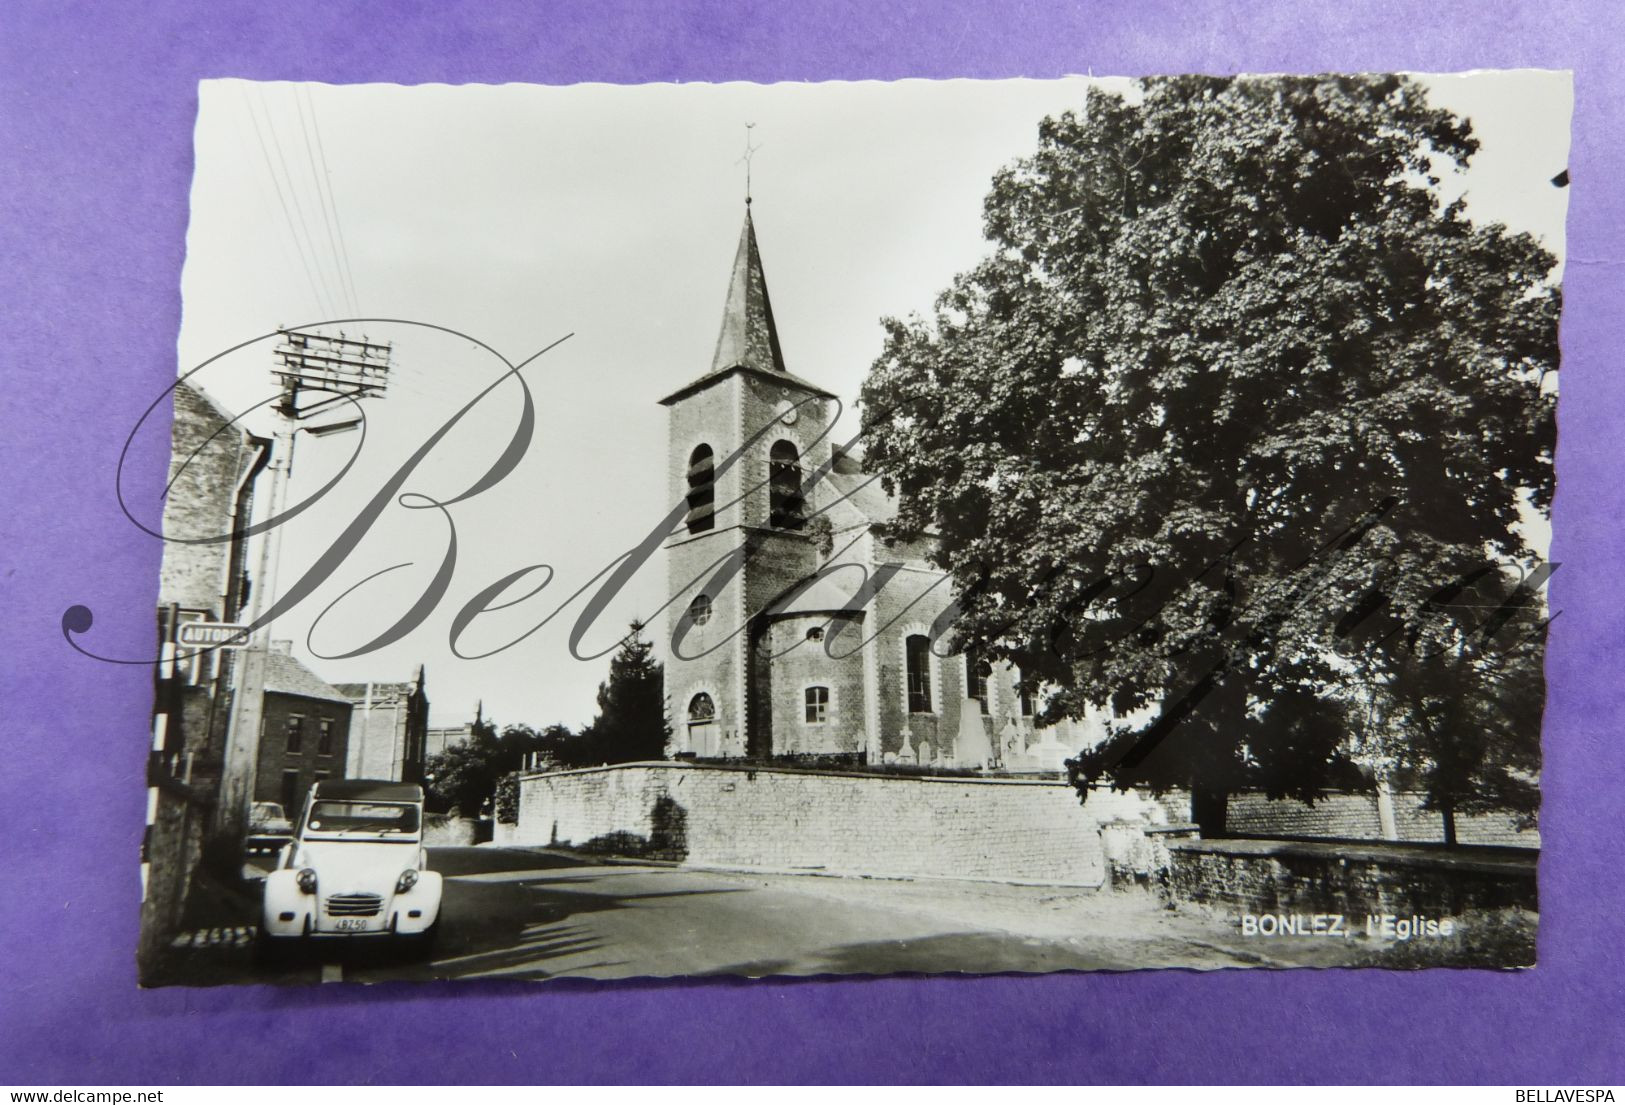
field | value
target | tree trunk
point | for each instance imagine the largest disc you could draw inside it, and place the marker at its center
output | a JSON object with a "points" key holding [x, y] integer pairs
{"points": [[1449, 815]]}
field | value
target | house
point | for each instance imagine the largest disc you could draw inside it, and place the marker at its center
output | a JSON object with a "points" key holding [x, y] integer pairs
{"points": [[438, 738], [208, 495], [214, 466], [304, 731], [389, 725], [775, 648]]}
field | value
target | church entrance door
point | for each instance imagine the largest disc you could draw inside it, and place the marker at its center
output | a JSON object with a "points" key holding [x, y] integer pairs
{"points": [[702, 739]]}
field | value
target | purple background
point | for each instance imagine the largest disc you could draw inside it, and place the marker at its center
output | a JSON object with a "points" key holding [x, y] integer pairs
{"points": [[95, 129]]}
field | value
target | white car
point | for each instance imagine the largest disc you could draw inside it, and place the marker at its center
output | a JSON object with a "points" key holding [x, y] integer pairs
{"points": [[356, 870]]}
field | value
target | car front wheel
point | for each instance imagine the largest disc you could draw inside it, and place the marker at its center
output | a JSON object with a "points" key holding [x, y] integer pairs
{"points": [[277, 951], [421, 945]]}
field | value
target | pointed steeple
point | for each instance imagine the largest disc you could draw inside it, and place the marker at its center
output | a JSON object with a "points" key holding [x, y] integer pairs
{"points": [[748, 338]]}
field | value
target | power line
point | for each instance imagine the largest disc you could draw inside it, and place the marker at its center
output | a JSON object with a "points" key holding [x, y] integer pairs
{"points": [[297, 206], [344, 248], [290, 249], [321, 301], [324, 198]]}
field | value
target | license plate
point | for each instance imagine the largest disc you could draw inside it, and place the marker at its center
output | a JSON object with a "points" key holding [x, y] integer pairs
{"points": [[352, 924]]}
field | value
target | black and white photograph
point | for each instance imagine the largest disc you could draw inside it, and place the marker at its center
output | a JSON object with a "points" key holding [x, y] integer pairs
{"points": [[682, 530]]}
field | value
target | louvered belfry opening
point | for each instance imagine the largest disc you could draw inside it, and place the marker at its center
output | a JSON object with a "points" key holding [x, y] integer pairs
{"points": [[702, 511], [786, 508]]}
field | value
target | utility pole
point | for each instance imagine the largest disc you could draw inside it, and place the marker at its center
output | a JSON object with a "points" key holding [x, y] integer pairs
{"points": [[315, 372]]}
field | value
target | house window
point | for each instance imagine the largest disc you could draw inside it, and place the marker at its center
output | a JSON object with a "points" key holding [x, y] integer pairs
{"points": [[917, 656], [785, 505], [324, 736], [702, 514], [296, 733], [817, 705], [977, 672], [699, 611]]}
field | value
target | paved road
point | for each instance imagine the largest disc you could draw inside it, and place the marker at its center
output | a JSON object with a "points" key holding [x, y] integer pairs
{"points": [[520, 913]]}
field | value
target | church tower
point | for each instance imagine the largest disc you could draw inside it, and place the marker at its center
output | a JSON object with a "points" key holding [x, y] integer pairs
{"points": [[741, 440]]}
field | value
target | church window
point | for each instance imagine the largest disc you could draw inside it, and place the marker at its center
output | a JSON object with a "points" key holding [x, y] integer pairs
{"points": [[699, 611], [917, 655], [701, 490], [701, 709], [977, 672], [785, 504], [1026, 698], [817, 705]]}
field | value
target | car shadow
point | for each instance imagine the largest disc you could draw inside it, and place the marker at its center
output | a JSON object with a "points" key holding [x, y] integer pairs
{"points": [[523, 927]]}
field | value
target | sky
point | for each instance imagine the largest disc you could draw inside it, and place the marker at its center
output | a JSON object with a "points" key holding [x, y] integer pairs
{"points": [[519, 215]]}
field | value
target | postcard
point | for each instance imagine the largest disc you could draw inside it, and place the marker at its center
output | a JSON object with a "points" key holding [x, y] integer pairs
{"points": [[855, 528]]}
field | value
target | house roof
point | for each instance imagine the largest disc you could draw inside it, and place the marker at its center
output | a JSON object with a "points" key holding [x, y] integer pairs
{"points": [[208, 400], [380, 691], [749, 338], [286, 675]]}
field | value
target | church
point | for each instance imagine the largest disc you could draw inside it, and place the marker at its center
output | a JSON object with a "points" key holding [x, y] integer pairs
{"points": [[799, 630]]}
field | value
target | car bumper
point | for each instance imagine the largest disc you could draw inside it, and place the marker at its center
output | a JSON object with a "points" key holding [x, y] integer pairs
{"points": [[296, 914]]}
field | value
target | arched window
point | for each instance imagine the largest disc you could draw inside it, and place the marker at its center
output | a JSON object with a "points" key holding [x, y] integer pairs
{"points": [[701, 709], [917, 655], [785, 506], [699, 611], [702, 514], [977, 672], [817, 705]]}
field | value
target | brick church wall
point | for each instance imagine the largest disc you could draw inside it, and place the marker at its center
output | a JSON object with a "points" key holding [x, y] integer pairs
{"points": [[712, 665], [798, 663], [910, 603], [846, 823]]}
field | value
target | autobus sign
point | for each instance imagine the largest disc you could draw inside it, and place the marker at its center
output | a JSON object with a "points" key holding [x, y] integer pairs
{"points": [[212, 635]]}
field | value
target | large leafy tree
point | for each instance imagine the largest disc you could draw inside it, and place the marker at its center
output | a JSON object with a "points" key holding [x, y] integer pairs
{"points": [[1232, 371], [1459, 701]]}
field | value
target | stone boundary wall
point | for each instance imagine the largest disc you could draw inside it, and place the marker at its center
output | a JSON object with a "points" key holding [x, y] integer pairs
{"points": [[791, 819], [1353, 816], [1272, 876]]}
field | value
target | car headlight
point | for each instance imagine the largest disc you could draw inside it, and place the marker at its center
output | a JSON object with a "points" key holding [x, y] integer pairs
{"points": [[306, 880], [408, 879]]}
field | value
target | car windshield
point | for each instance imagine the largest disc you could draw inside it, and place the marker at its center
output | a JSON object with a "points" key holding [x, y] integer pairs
{"points": [[363, 817], [268, 811]]}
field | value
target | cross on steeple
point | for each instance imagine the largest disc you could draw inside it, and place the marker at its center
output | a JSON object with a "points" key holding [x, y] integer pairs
{"points": [[749, 150]]}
